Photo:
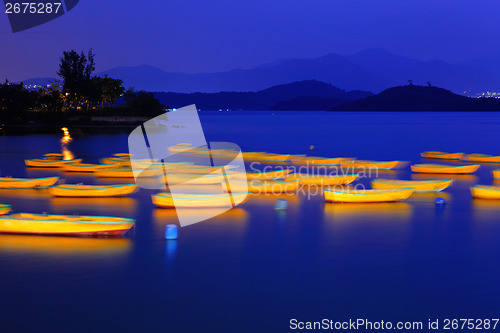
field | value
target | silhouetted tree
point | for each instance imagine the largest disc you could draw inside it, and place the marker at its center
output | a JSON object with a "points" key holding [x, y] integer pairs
{"points": [[15, 101], [51, 98], [76, 70], [143, 102], [109, 89]]}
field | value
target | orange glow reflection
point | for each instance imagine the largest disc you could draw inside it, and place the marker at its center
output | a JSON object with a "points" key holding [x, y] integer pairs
{"points": [[117, 205], [62, 246], [66, 139], [336, 211]]}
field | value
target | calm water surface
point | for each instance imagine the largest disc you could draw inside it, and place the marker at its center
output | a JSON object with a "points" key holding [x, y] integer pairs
{"points": [[252, 269]]}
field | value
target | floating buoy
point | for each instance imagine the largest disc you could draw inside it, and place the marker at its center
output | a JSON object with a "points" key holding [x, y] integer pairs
{"points": [[311, 147], [171, 232], [440, 201], [281, 204]]}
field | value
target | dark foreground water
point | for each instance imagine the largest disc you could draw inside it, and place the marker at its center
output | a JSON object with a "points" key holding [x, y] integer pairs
{"points": [[253, 269]]}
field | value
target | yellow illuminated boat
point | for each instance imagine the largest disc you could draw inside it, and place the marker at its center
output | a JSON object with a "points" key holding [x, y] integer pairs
{"points": [[183, 168], [308, 179], [5, 209], [370, 164], [92, 190], [441, 155], [481, 158], [85, 167], [123, 155], [49, 163], [27, 182], [180, 147], [192, 179], [320, 160], [441, 168], [273, 174], [165, 200], [485, 192], [496, 174], [128, 172], [115, 160], [264, 186], [353, 195], [251, 155], [53, 156], [272, 157], [417, 185], [69, 225]]}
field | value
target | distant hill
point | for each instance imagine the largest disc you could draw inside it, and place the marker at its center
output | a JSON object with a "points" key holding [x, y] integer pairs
{"points": [[369, 70], [37, 83], [419, 98], [307, 103], [324, 95]]}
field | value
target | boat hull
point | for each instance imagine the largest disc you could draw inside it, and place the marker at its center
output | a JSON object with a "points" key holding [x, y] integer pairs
{"points": [[127, 173], [481, 158], [54, 156], [320, 160], [486, 192], [38, 224], [440, 155], [49, 163], [444, 169], [84, 167], [275, 174], [323, 179], [193, 179], [265, 186], [367, 195], [165, 200], [5, 209], [371, 164], [417, 185], [20, 183], [92, 190], [496, 174]]}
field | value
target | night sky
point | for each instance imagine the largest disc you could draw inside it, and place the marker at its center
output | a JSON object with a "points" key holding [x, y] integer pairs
{"points": [[214, 35]]}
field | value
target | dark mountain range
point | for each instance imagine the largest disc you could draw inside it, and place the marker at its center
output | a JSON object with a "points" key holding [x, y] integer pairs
{"points": [[279, 97], [370, 70], [307, 103], [420, 98]]}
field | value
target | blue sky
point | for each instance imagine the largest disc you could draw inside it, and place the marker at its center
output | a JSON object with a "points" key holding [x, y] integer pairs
{"points": [[215, 35]]}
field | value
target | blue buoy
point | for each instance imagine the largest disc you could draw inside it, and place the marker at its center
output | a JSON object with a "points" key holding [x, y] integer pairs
{"points": [[440, 201], [171, 232], [281, 204]]}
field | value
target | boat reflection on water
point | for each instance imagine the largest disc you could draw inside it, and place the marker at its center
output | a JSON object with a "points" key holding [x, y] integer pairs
{"points": [[269, 199], [164, 216], [384, 211], [27, 193], [429, 196], [63, 246], [486, 208], [366, 228], [229, 226], [65, 140], [485, 215], [112, 205], [44, 172]]}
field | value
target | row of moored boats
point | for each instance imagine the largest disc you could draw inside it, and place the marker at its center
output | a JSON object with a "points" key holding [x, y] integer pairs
{"points": [[336, 187]]}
